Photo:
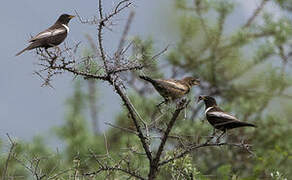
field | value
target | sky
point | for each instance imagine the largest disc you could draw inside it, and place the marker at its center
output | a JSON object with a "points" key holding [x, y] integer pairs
{"points": [[26, 108]]}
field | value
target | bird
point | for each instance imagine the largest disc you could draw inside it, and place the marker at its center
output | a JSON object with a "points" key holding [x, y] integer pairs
{"points": [[220, 119], [52, 36], [171, 89]]}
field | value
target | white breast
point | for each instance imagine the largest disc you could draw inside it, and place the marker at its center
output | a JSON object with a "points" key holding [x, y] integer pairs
{"points": [[67, 28]]}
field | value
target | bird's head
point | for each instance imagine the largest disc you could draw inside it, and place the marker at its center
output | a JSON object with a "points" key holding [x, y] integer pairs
{"points": [[65, 18], [209, 101], [191, 81]]}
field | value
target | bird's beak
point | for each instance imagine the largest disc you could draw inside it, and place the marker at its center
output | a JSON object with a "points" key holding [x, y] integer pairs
{"points": [[200, 98], [71, 16], [197, 82]]}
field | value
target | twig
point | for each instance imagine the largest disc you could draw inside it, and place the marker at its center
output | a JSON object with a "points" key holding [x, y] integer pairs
{"points": [[123, 38], [159, 53], [105, 142], [60, 173], [13, 144], [255, 14], [99, 36], [115, 169], [122, 128], [207, 144]]}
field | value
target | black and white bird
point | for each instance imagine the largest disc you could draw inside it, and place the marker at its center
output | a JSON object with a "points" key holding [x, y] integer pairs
{"points": [[220, 119], [52, 36]]}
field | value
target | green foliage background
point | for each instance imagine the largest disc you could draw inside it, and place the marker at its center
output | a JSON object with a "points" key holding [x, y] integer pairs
{"points": [[247, 69]]}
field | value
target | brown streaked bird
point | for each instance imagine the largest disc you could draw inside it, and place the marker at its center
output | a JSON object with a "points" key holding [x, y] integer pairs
{"points": [[52, 36], [220, 119], [171, 89]]}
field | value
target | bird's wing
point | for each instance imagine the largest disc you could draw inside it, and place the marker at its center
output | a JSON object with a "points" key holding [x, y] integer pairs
{"points": [[217, 112], [221, 115], [48, 33], [174, 84], [221, 120]]}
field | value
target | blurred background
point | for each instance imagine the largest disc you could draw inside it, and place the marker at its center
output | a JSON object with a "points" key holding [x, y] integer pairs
{"points": [[27, 109], [242, 51]]}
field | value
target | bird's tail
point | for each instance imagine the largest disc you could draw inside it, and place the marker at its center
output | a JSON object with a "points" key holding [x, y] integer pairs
{"points": [[233, 124], [31, 46], [248, 124], [146, 78], [241, 124], [21, 51]]}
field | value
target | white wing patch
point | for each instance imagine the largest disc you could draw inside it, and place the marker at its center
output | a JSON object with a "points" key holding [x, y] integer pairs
{"points": [[222, 115], [178, 85], [48, 34]]}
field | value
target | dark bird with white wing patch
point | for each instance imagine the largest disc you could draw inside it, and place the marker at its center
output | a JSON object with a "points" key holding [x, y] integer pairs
{"points": [[220, 119], [52, 36]]}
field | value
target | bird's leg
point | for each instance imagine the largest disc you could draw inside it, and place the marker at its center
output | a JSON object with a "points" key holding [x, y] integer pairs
{"points": [[53, 58], [178, 104], [58, 50], [46, 49], [212, 135], [180, 101], [217, 140], [158, 105], [214, 132]]}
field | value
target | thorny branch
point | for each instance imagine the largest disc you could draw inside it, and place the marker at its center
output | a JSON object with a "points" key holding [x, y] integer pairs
{"points": [[206, 144], [155, 163], [134, 117], [32, 166], [123, 39], [105, 168]]}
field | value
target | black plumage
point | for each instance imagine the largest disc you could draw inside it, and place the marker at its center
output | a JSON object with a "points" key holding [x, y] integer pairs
{"points": [[220, 119], [171, 89], [52, 36]]}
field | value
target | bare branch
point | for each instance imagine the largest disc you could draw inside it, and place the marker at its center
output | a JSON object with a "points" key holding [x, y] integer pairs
{"points": [[160, 53], [13, 144], [207, 144], [122, 128], [60, 173], [132, 174], [154, 166], [81, 73], [255, 13], [168, 129], [123, 38], [127, 68], [33, 167], [135, 121]]}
